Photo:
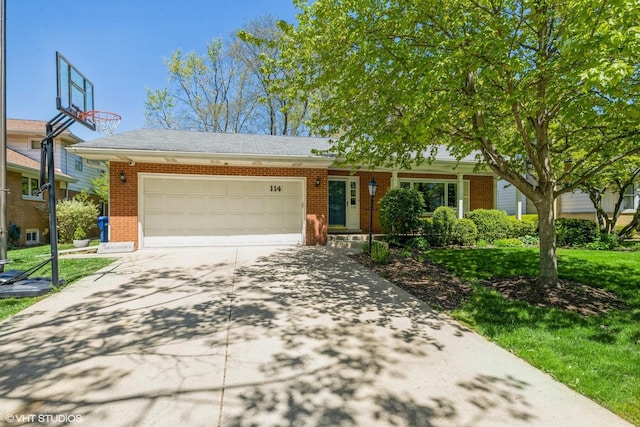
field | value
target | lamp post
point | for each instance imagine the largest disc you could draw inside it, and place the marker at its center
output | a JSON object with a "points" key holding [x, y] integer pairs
{"points": [[373, 186]]}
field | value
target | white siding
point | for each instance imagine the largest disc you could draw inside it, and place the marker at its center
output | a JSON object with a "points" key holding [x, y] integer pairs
{"points": [[506, 200]]}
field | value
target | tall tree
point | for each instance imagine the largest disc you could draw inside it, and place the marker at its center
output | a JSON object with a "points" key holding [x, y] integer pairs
{"points": [[206, 92], [237, 86], [258, 47], [528, 84]]}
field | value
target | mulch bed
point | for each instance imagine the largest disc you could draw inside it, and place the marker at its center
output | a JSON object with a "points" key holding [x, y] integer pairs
{"points": [[440, 289]]}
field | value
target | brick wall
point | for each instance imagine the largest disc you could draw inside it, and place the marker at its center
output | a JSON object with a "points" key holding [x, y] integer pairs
{"points": [[28, 214], [481, 192], [123, 220]]}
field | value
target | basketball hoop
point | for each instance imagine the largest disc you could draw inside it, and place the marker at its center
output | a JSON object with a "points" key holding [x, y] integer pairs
{"points": [[104, 121]]}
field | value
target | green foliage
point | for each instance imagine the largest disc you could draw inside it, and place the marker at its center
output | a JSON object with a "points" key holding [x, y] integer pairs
{"points": [[575, 232], [73, 214], [605, 242], [400, 211], [14, 234], [508, 243], [526, 84], [442, 222], [100, 185], [380, 252], [419, 243], [492, 224], [530, 240], [464, 233], [596, 355], [527, 226]]}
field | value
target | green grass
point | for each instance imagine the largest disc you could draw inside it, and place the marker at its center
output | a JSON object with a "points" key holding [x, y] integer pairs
{"points": [[598, 356], [69, 270]]}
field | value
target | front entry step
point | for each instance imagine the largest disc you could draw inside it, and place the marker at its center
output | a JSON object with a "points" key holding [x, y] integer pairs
{"points": [[348, 241]]}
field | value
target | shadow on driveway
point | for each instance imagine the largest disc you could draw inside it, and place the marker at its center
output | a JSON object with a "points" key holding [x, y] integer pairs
{"points": [[264, 337]]}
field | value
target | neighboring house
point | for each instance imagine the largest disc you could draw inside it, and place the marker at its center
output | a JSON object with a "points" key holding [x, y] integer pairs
{"points": [[183, 188], [571, 205], [25, 208]]}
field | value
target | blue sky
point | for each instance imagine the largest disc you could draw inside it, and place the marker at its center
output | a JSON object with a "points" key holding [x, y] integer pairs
{"points": [[118, 44]]}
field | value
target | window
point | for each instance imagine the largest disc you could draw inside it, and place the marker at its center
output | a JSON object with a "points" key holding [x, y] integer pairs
{"points": [[32, 237], [438, 193], [29, 187], [78, 164], [35, 144], [630, 198]]}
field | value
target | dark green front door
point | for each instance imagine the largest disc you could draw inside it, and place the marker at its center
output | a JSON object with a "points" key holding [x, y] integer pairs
{"points": [[337, 203]]}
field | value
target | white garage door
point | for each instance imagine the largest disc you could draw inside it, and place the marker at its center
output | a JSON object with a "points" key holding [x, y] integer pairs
{"points": [[202, 211]]}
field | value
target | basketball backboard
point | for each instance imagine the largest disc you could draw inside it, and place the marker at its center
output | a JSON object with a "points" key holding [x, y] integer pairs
{"points": [[75, 92]]}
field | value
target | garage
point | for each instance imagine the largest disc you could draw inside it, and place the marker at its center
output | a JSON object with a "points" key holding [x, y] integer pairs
{"points": [[188, 210]]}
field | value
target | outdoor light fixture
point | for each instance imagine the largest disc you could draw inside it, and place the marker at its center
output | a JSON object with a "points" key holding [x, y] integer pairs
{"points": [[123, 178], [373, 186], [318, 181]]}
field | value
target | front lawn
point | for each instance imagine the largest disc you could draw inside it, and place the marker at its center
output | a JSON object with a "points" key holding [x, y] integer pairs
{"points": [[597, 355], [70, 270]]}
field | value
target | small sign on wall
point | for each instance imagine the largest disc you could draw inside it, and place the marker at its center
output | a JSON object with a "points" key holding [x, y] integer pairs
{"points": [[115, 247]]}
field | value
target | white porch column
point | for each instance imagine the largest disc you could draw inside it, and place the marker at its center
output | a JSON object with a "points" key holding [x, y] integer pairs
{"points": [[518, 205], [395, 181], [460, 196]]}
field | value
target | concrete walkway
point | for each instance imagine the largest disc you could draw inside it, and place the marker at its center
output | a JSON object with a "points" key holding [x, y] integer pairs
{"points": [[266, 337]]}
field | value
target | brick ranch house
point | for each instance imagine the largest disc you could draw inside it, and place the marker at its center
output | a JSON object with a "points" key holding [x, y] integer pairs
{"points": [[172, 188]]}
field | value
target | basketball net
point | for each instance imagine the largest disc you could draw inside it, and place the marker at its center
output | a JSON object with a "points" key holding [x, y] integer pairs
{"points": [[104, 121]]}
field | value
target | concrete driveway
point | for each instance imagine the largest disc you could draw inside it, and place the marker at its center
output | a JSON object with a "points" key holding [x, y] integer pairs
{"points": [[258, 336]]}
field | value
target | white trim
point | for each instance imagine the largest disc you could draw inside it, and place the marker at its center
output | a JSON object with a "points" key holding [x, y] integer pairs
{"points": [[223, 240], [352, 214], [31, 197], [466, 195], [32, 242]]}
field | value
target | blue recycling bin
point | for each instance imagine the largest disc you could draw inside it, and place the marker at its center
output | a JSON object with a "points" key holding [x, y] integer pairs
{"points": [[103, 223]]}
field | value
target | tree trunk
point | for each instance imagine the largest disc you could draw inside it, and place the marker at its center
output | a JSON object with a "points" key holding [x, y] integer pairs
{"points": [[548, 258]]}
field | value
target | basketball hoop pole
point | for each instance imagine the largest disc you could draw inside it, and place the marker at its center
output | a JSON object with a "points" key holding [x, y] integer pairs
{"points": [[4, 232], [55, 127]]}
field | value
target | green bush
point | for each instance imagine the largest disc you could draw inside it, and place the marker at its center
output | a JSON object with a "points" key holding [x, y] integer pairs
{"points": [[508, 243], [576, 232], [442, 226], [530, 240], [605, 242], [492, 224], [464, 233], [527, 226], [400, 211], [73, 214], [380, 252], [419, 243]]}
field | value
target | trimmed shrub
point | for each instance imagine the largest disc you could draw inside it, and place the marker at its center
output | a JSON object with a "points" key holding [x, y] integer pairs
{"points": [[508, 243], [78, 213], [419, 243], [400, 211], [492, 224], [464, 233], [576, 232], [527, 226], [442, 225]]}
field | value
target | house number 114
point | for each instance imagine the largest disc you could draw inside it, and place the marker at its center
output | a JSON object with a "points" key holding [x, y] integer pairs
{"points": [[276, 188]]}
